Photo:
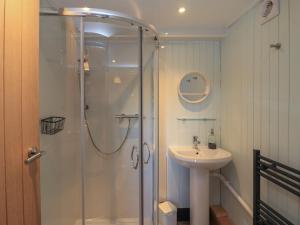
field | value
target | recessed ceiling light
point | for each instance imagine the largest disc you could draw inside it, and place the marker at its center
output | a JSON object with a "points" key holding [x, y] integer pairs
{"points": [[162, 46], [181, 10], [113, 61], [166, 33]]}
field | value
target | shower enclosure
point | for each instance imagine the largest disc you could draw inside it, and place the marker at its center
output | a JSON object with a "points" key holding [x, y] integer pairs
{"points": [[98, 88]]}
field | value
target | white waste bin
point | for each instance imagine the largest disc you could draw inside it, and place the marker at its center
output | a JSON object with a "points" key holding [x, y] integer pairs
{"points": [[167, 213]]}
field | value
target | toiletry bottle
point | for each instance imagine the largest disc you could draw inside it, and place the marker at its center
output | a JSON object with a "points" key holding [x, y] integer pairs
{"points": [[212, 140]]}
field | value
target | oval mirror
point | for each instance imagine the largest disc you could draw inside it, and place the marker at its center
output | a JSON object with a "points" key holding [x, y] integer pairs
{"points": [[194, 87]]}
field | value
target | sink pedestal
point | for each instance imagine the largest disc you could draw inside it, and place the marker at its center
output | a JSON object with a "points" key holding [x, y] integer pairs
{"points": [[200, 163], [199, 196]]}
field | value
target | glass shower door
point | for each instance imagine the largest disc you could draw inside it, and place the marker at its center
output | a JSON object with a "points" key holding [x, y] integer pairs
{"points": [[112, 129]]}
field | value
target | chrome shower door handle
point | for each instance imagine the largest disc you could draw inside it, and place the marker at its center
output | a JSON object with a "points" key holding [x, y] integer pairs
{"points": [[146, 161], [134, 162], [33, 154]]}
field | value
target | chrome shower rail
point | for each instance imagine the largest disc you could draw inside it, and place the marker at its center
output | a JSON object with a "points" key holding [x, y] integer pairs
{"points": [[127, 116], [101, 13]]}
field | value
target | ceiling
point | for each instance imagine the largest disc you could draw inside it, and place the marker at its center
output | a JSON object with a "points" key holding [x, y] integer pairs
{"points": [[202, 17]]}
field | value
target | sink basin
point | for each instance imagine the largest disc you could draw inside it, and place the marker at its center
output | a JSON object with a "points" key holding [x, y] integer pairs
{"points": [[200, 162], [203, 158]]}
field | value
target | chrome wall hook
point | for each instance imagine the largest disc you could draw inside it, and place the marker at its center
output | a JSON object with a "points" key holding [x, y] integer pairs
{"points": [[277, 45]]}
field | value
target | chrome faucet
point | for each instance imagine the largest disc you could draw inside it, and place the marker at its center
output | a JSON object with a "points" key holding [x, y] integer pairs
{"points": [[196, 142]]}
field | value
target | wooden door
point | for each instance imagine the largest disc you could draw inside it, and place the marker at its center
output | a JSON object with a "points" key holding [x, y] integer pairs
{"points": [[2, 160], [19, 112]]}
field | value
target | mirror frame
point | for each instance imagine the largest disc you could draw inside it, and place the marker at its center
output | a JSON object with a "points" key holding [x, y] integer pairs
{"points": [[205, 93]]}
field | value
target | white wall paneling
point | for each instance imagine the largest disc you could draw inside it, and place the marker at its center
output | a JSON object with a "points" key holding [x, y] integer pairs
{"points": [[237, 113], [177, 59], [259, 104]]}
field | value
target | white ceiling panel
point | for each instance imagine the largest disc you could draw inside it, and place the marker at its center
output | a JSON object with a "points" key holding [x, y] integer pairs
{"points": [[202, 17]]}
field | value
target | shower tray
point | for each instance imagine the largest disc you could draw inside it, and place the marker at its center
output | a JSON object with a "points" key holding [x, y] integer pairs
{"points": [[119, 221]]}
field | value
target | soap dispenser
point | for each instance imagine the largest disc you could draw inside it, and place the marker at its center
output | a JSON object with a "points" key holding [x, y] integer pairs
{"points": [[212, 140]]}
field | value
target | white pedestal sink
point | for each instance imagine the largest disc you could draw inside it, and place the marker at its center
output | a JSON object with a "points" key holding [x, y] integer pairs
{"points": [[200, 162]]}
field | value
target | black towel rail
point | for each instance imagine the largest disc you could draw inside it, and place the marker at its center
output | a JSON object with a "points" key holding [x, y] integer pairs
{"points": [[282, 175]]}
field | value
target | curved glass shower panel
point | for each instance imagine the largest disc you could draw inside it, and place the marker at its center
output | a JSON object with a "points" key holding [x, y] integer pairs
{"points": [[99, 73], [112, 108], [60, 106]]}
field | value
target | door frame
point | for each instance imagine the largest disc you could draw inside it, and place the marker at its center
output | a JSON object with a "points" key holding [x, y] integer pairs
{"points": [[19, 111]]}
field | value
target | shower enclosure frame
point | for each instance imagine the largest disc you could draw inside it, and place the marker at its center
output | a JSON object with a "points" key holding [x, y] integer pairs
{"points": [[142, 26]]}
